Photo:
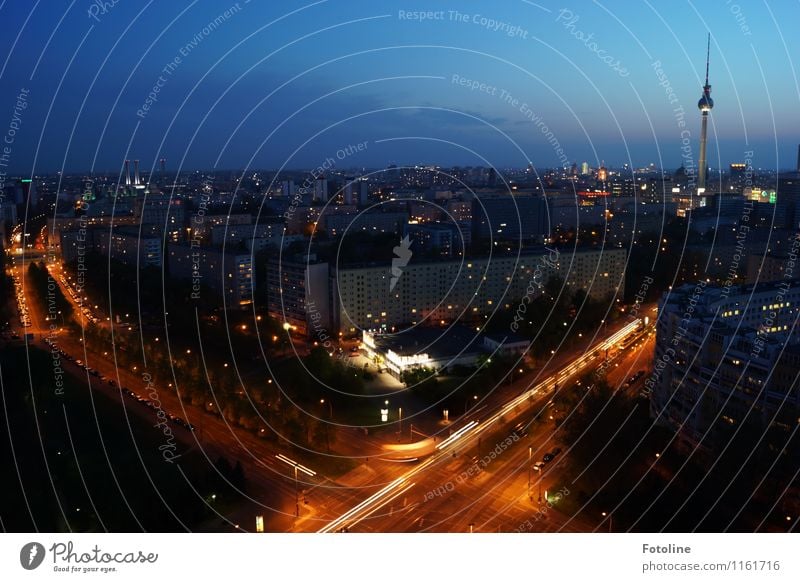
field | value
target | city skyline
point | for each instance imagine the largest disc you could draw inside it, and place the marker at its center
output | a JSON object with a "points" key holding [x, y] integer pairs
{"points": [[482, 85], [373, 267], [622, 170]]}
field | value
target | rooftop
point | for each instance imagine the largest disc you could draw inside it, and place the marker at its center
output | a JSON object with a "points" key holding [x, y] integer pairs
{"points": [[437, 342]]}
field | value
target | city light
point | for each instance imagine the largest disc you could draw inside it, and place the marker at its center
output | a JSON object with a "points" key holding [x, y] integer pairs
{"points": [[425, 242]]}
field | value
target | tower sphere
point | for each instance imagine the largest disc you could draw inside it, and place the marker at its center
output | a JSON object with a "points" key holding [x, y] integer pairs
{"points": [[706, 103]]}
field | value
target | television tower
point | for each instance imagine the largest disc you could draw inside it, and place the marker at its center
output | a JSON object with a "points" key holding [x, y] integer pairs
{"points": [[705, 105]]}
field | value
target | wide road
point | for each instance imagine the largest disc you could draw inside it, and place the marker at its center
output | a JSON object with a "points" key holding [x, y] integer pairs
{"points": [[474, 436], [271, 484], [483, 492], [378, 496]]}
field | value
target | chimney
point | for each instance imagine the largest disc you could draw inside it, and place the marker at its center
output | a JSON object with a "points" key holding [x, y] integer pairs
{"points": [[127, 172], [136, 172]]}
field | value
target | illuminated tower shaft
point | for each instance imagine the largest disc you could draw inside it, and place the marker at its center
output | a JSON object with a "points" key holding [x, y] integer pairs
{"points": [[701, 175], [705, 105]]}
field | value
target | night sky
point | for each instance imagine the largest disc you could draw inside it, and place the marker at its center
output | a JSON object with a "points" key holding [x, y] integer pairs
{"points": [[288, 84]]}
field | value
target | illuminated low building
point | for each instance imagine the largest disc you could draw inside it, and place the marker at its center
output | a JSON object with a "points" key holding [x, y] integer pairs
{"points": [[424, 347]]}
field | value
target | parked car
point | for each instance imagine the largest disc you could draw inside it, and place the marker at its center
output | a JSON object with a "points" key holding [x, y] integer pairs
{"points": [[634, 378], [551, 455]]}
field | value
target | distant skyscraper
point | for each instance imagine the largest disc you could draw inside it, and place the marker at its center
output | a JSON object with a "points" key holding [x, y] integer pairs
{"points": [[602, 173], [787, 200], [705, 105], [25, 192], [321, 189], [585, 168], [491, 180], [349, 197]]}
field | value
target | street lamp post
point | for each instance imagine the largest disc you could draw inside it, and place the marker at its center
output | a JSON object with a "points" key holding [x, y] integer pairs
{"points": [[330, 407], [541, 474], [296, 495], [385, 412], [330, 417], [610, 520], [530, 454], [287, 327], [296, 466], [466, 403]]}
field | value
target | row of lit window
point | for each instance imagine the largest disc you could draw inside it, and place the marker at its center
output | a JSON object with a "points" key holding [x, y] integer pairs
{"points": [[779, 328], [774, 306]]}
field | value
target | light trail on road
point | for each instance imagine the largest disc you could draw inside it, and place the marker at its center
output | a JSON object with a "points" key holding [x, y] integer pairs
{"points": [[467, 434]]}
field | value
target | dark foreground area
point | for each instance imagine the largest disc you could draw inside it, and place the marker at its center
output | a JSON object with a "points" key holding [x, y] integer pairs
{"points": [[75, 460]]}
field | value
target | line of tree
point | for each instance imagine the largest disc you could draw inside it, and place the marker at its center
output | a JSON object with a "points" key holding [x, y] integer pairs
{"points": [[47, 292]]}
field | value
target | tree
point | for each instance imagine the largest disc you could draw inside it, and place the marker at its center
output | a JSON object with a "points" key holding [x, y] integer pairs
{"points": [[417, 378], [47, 291]]}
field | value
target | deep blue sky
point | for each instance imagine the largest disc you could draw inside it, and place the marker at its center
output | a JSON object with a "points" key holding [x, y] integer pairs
{"points": [[87, 79]]}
